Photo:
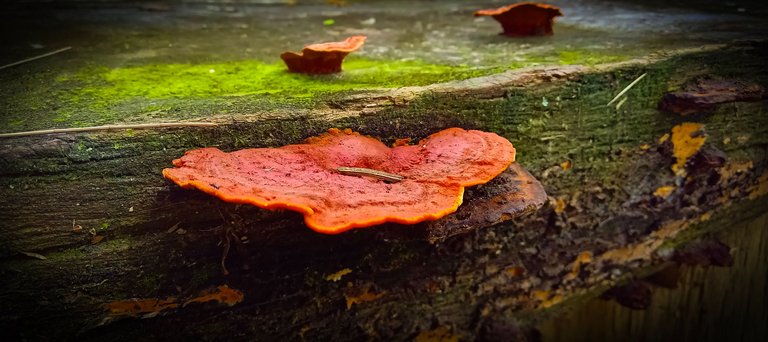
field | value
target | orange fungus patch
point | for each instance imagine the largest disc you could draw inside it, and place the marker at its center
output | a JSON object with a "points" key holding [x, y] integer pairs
{"points": [[664, 191], [306, 177], [323, 58], [138, 307], [221, 295], [687, 139], [524, 19], [361, 295]]}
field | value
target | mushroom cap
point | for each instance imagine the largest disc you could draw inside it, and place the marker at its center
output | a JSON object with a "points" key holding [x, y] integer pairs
{"points": [[347, 45], [322, 58], [553, 11], [524, 19], [304, 177]]}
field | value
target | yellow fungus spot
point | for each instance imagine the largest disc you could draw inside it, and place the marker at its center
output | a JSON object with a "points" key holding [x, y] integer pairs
{"points": [[664, 138], [732, 169], [581, 259], [337, 276], [664, 191], [303, 331], [687, 140], [566, 165], [559, 205], [552, 301], [645, 147], [439, 334], [515, 271], [726, 141], [546, 298], [761, 188], [540, 295]]}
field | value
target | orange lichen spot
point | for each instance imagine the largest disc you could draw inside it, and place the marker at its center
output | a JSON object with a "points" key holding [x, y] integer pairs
{"points": [[222, 295], [515, 271], [361, 295], [524, 19], [337, 276], [761, 188], [705, 217], [323, 58], [551, 301], [140, 307], [307, 177], [559, 205], [664, 191], [566, 165], [540, 295], [96, 239], [401, 142], [644, 250], [687, 140], [546, 298], [439, 334], [582, 259], [664, 138]]}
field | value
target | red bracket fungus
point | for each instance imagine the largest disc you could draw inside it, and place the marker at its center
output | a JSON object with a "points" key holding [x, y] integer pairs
{"points": [[524, 19], [308, 177], [324, 58]]}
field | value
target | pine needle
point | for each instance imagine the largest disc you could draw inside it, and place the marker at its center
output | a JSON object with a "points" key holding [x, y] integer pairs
{"points": [[627, 88]]}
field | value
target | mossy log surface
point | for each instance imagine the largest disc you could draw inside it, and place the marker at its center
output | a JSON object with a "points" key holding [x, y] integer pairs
{"points": [[87, 221], [110, 228]]}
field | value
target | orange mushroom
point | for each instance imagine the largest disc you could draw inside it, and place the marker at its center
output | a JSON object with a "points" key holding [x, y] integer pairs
{"points": [[524, 19], [324, 58], [342, 180]]}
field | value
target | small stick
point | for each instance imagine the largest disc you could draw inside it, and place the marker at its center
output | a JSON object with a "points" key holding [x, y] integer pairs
{"points": [[36, 57], [226, 252], [360, 171], [618, 105], [107, 128], [627, 89]]}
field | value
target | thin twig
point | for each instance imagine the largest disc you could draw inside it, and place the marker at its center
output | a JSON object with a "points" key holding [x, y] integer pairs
{"points": [[108, 127], [360, 171], [627, 88], [226, 252], [618, 105], [35, 58]]}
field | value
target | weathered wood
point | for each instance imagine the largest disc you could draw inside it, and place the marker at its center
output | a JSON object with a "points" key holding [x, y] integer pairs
{"points": [[707, 303], [482, 283]]}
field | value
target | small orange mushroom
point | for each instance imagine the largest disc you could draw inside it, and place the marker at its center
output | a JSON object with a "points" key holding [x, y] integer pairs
{"points": [[524, 19], [405, 184], [323, 58]]}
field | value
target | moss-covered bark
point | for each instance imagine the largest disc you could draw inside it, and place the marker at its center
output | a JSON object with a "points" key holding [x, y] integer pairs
{"points": [[60, 191]]}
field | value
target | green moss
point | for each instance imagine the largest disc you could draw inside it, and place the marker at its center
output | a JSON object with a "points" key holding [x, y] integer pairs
{"points": [[250, 77], [105, 88], [97, 95], [587, 57], [67, 254]]}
